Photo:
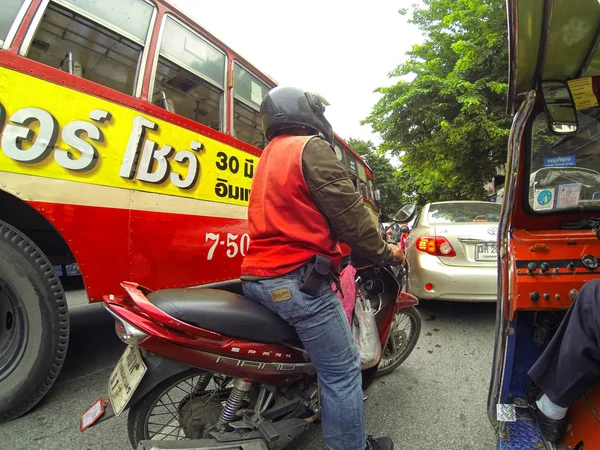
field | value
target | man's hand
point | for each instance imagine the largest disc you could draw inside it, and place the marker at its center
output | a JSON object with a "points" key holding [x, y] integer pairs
{"points": [[397, 253]]}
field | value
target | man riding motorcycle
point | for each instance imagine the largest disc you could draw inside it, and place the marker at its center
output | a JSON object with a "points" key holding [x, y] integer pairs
{"points": [[302, 201]]}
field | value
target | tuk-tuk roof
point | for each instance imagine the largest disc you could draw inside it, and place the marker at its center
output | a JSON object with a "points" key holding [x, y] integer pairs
{"points": [[551, 40]]}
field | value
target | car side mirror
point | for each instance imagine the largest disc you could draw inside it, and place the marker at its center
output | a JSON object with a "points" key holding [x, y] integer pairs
{"points": [[561, 112], [404, 229], [406, 213]]}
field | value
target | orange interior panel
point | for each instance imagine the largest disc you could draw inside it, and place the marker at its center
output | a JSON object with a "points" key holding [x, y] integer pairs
{"points": [[584, 421], [593, 396], [562, 251]]}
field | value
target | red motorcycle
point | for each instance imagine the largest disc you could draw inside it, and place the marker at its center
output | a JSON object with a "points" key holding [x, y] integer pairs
{"points": [[223, 372]]}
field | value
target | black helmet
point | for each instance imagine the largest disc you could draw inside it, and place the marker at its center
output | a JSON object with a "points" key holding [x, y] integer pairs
{"points": [[287, 107]]}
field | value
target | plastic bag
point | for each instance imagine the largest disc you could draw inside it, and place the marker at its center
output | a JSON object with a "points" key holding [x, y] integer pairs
{"points": [[364, 330]]}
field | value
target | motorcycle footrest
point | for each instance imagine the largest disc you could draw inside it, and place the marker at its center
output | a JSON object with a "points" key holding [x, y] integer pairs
{"points": [[268, 431]]}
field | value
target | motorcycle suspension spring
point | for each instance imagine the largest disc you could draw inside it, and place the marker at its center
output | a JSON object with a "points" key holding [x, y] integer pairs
{"points": [[235, 400]]}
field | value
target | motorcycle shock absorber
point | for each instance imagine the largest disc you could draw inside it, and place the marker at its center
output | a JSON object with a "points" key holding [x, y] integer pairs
{"points": [[234, 402]]}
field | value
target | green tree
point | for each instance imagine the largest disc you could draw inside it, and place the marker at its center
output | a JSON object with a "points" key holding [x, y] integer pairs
{"points": [[449, 122], [385, 174]]}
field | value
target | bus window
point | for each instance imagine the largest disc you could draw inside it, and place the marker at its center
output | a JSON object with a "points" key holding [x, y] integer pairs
{"points": [[99, 41], [248, 93], [339, 153], [190, 76], [364, 191], [362, 173], [371, 190], [351, 163], [10, 9]]}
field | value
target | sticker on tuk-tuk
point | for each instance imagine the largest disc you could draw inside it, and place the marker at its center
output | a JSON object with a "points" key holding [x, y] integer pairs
{"points": [[544, 199], [583, 93], [561, 161], [568, 195]]}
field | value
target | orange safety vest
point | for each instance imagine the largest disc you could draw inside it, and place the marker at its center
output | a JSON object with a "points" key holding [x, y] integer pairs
{"points": [[286, 227]]}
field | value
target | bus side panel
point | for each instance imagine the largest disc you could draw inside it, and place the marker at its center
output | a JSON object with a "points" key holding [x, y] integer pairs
{"points": [[179, 250], [62, 148], [98, 240]]}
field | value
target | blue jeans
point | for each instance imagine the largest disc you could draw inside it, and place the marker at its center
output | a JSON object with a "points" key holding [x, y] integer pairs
{"points": [[323, 328]]}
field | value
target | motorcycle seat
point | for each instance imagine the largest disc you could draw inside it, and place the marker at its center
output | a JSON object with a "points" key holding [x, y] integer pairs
{"points": [[225, 313]]}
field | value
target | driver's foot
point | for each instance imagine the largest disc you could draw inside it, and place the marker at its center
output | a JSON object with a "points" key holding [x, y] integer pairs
{"points": [[381, 443], [553, 430]]}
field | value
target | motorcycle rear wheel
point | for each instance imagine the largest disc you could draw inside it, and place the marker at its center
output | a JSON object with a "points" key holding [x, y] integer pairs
{"points": [[402, 341], [157, 416]]}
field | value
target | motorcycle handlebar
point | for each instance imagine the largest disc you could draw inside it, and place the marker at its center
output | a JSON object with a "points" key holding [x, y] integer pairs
{"points": [[394, 262]]}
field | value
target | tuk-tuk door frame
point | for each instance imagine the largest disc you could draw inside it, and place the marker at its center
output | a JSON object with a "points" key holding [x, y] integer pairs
{"points": [[502, 342]]}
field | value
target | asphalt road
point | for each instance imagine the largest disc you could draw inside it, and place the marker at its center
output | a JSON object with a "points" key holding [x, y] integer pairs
{"points": [[435, 400]]}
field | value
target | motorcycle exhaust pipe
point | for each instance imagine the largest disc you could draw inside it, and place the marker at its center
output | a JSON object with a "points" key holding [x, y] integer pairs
{"points": [[203, 444]]}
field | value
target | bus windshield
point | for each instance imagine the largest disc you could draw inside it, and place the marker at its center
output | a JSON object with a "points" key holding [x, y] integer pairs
{"points": [[564, 169]]}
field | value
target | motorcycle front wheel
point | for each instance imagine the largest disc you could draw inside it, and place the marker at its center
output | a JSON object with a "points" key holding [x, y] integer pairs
{"points": [[180, 407], [404, 335]]}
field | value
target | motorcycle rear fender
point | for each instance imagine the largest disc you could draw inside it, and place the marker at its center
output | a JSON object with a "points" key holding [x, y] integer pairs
{"points": [[159, 369], [405, 300]]}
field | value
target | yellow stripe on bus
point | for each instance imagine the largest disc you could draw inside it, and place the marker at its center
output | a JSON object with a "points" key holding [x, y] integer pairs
{"points": [[57, 132]]}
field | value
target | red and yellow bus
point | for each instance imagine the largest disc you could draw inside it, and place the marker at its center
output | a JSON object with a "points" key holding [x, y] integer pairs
{"points": [[129, 139]]}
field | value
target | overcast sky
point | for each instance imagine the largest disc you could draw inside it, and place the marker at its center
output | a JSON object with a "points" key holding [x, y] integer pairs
{"points": [[342, 50]]}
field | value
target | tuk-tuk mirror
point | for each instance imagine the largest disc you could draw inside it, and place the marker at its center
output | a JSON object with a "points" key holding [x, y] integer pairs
{"points": [[377, 194], [406, 213], [561, 112]]}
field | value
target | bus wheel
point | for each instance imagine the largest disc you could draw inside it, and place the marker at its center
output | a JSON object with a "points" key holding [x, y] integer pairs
{"points": [[34, 324]]}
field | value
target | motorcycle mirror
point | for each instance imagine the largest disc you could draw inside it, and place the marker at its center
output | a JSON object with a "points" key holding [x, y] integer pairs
{"points": [[406, 213]]}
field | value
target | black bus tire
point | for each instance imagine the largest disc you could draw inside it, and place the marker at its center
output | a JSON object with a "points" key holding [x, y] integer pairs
{"points": [[34, 324]]}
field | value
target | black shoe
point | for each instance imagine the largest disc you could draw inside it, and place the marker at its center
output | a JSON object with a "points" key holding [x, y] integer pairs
{"points": [[533, 393], [382, 443], [552, 430]]}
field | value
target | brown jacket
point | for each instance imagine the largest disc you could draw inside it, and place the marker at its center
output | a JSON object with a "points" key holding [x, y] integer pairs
{"points": [[336, 197]]}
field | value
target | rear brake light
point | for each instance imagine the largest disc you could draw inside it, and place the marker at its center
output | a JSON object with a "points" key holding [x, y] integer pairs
{"points": [[426, 244], [438, 246], [127, 332]]}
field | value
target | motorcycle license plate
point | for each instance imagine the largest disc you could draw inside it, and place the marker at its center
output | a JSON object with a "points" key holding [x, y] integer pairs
{"points": [[486, 252], [125, 378], [92, 414]]}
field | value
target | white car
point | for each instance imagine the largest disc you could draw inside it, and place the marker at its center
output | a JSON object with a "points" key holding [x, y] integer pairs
{"points": [[452, 251]]}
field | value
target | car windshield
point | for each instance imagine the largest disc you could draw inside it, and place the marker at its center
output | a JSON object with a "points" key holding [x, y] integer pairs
{"points": [[564, 170], [463, 212]]}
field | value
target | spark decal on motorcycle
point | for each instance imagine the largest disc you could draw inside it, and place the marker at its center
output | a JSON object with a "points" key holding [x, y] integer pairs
{"points": [[268, 367]]}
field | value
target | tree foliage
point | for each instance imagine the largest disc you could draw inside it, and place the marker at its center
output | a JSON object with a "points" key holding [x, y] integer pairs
{"points": [[387, 177], [449, 123]]}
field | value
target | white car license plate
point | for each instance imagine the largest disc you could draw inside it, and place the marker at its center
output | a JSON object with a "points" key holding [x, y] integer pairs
{"points": [[125, 378], [486, 252]]}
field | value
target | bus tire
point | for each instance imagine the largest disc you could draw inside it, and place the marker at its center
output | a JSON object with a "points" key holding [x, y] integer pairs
{"points": [[34, 324]]}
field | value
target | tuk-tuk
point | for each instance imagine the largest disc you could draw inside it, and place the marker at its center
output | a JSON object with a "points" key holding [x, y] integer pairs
{"points": [[548, 241]]}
